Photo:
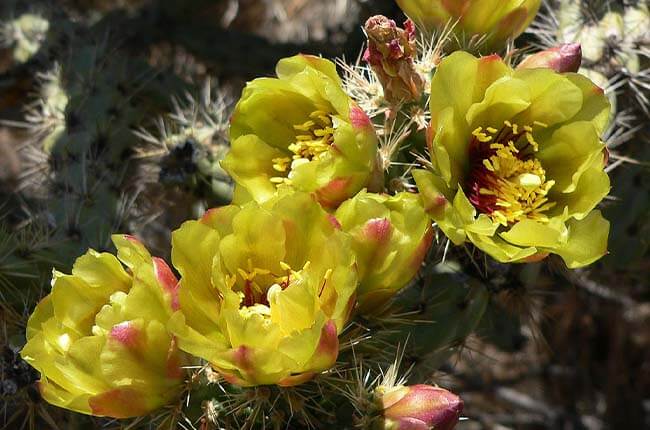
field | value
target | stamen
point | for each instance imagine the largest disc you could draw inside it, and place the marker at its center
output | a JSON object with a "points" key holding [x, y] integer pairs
{"points": [[506, 181], [255, 291], [313, 139]]}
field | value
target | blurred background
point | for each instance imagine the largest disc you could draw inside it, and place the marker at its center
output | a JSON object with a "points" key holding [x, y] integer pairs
{"points": [[114, 116]]}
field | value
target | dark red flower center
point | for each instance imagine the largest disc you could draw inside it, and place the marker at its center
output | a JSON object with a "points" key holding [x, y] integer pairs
{"points": [[506, 181]]}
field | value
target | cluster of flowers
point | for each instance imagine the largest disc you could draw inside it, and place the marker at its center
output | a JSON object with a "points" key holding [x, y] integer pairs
{"points": [[268, 283]]}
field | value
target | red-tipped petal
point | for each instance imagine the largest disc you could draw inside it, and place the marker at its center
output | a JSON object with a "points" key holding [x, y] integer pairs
{"points": [[378, 230], [358, 118], [127, 334], [332, 194], [119, 403], [167, 280]]}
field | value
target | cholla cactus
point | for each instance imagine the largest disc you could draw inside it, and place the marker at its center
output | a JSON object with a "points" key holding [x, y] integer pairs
{"points": [[615, 40], [24, 35], [335, 252], [189, 144]]}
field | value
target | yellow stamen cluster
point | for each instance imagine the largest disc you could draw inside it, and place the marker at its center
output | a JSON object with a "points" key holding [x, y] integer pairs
{"points": [[313, 139], [519, 184], [251, 284]]}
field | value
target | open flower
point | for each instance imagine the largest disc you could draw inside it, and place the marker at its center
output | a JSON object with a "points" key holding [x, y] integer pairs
{"points": [[390, 237], [301, 130], [99, 339], [516, 160], [417, 407], [265, 289], [498, 20]]}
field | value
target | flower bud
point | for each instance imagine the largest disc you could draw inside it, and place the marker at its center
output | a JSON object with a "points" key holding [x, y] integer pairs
{"points": [[390, 235], [418, 407], [562, 59], [390, 53]]}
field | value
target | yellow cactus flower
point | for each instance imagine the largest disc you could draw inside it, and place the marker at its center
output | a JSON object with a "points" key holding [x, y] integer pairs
{"points": [[301, 130], [391, 235], [517, 164], [497, 20], [99, 339], [265, 289]]}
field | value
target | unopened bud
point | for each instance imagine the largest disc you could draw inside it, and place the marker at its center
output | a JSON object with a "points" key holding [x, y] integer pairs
{"points": [[563, 58], [390, 53], [418, 407]]}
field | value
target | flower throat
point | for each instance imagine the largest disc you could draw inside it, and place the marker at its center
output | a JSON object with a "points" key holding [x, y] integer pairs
{"points": [[256, 285], [313, 138], [507, 182]]}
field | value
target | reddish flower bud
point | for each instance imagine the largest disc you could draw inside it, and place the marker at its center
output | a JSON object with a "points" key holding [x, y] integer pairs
{"points": [[418, 407], [390, 53], [563, 58]]}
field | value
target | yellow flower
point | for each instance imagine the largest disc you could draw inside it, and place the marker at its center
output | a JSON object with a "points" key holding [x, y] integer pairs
{"points": [[265, 289], [517, 164], [301, 130], [99, 339], [498, 20], [390, 235]]}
